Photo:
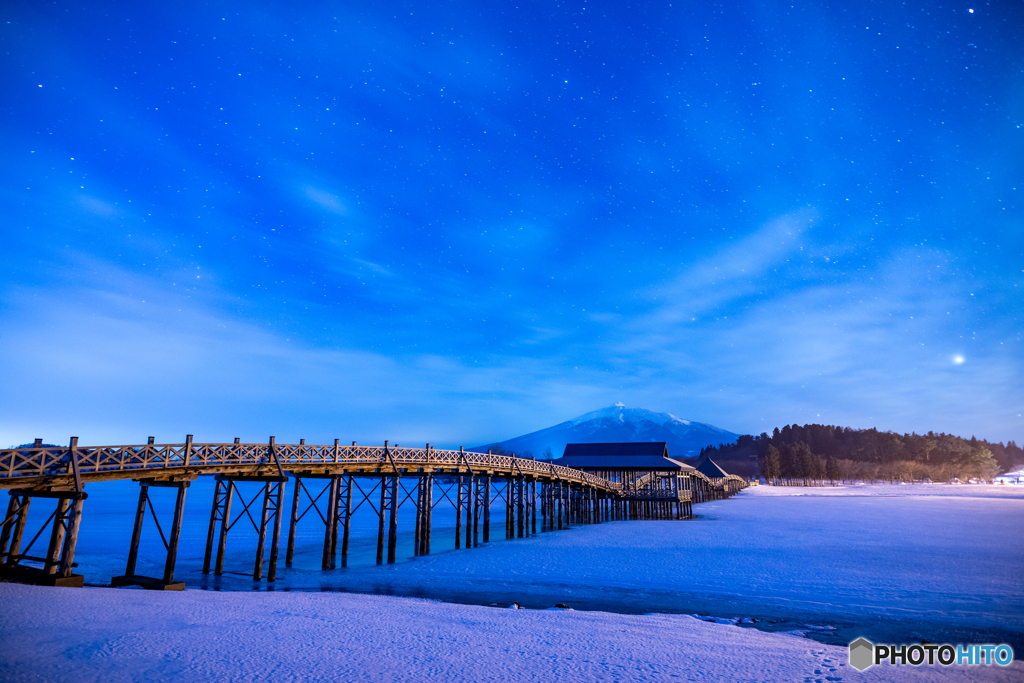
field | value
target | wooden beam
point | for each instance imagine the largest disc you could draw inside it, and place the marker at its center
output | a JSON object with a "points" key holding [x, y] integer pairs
{"points": [[140, 516]]}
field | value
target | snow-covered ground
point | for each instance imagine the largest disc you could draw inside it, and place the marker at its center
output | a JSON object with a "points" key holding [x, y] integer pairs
{"points": [[102, 634], [892, 563]]}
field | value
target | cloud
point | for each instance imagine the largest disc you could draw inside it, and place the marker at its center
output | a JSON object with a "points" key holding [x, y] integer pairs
{"points": [[866, 348], [732, 272], [124, 358], [326, 200]]}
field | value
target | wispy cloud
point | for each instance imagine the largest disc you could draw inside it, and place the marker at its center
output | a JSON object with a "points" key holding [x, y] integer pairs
{"points": [[731, 272]]}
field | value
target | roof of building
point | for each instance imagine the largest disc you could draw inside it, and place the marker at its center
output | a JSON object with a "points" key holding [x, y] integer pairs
{"points": [[642, 455], [711, 470]]}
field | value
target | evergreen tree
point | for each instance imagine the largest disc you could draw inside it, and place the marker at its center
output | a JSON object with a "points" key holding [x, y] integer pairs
{"points": [[832, 469], [807, 462], [770, 467]]}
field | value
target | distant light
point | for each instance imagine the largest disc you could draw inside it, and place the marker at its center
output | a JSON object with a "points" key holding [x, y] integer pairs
{"points": [[958, 359], [971, 11]]}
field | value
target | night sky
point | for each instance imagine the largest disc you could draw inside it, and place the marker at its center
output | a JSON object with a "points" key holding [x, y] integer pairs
{"points": [[458, 222]]}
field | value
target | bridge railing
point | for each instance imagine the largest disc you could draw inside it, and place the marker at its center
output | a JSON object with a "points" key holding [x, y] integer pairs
{"points": [[50, 461]]}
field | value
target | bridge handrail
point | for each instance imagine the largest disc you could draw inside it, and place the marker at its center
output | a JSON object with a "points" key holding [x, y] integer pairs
{"points": [[54, 461]]}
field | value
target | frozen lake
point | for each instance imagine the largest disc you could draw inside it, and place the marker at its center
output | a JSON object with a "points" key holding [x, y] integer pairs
{"points": [[927, 562]]}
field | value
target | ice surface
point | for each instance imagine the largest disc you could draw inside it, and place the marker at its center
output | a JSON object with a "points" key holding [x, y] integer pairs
{"points": [[933, 562]]}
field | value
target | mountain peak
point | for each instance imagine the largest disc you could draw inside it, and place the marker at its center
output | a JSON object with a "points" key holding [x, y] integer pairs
{"points": [[618, 423]]}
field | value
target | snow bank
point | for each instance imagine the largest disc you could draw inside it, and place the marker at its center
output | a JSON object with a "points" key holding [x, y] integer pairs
{"points": [[99, 634], [903, 489]]}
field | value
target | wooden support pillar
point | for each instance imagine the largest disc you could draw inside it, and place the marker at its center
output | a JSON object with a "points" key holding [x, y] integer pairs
{"points": [[520, 506], [167, 582], [560, 496], [380, 520], [217, 493], [533, 507], [430, 509], [477, 510], [458, 513], [140, 516], [393, 525], [14, 527], [56, 537], [509, 497], [293, 521], [225, 524], [275, 541], [526, 507], [543, 506], [327, 558], [74, 521], [347, 521], [257, 573], [172, 544], [470, 510], [417, 533], [487, 509]]}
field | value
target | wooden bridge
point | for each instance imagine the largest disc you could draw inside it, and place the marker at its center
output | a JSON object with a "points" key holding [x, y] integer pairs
{"points": [[334, 481]]}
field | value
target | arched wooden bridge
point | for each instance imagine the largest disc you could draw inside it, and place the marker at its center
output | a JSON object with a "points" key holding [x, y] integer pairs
{"points": [[350, 476]]}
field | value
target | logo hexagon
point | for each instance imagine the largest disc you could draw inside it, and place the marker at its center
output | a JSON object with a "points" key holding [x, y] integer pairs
{"points": [[862, 654]]}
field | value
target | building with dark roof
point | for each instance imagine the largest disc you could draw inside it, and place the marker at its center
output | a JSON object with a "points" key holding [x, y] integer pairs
{"points": [[711, 470], [622, 462]]}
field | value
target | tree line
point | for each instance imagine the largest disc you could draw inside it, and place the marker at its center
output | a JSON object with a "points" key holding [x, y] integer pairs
{"points": [[814, 454]]}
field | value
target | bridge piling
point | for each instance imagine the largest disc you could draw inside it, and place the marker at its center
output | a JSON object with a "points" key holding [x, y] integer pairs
{"points": [[417, 535], [330, 552], [393, 521], [458, 513], [14, 526], [167, 582], [225, 525], [430, 509], [520, 511], [487, 509], [380, 519], [59, 559], [470, 509], [478, 502], [293, 520]]}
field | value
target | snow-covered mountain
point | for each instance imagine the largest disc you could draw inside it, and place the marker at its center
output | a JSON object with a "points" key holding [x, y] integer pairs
{"points": [[618, 423]]}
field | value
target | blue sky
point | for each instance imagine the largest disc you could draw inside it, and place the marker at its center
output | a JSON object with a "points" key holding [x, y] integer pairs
{"points": [[458, 222]]}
